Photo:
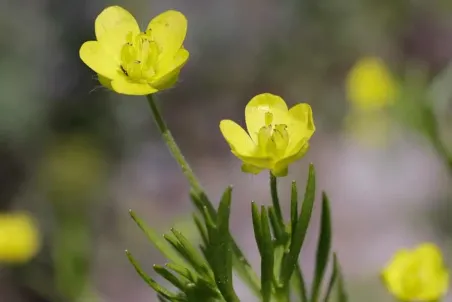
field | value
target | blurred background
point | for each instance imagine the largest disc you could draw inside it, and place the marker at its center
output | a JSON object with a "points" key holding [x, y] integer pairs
{"points": [[76, 157]]}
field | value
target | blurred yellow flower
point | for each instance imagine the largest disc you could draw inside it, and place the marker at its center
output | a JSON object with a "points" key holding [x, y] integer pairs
{"points": [[417, 275], [276, 135], [370, 84], [133, 62], [19, 238]]}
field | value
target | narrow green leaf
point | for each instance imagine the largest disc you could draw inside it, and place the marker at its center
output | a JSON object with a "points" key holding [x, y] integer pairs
{"points": [[299, 284], [208, 204], [323, 249], [240, 263], [192, 255], [279, 252], [159, 289], [293, 208], [162, 298], [278, 231], [197, 202], [182, 271], [204, 290], [244, 269], [291, 260], [201, 229], [220, 249], [177, 246], [275, 200], [341, 292], [332, 281], [162, 271], [257, 226], [180, 248], [210, 224], [157, 240], [267, 257]]}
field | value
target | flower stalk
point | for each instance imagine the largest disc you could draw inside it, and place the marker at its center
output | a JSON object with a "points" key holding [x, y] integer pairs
{"points": [[172, 145]]}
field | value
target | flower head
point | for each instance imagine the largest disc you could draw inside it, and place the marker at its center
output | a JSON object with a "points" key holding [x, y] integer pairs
{"points": [[370, 84], [133, 62], [276, 135], [19, 238], [417, 275]]}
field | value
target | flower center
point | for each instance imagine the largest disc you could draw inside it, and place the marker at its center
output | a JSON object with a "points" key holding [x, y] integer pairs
{"points": [[139, 57], [273, 139]]}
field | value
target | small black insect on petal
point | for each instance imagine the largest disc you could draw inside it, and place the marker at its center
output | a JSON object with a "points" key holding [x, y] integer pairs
{"points": [[125, 71]]}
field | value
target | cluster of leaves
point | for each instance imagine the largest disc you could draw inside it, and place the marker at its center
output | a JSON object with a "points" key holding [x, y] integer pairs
{"points": [[205, 274]]}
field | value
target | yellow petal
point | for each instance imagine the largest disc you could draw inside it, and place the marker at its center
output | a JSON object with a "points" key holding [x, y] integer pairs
{"points": [[94, 55], [237, 138], [300, 128], [302, 113], [370, 84], [112, 27], [291, 157], [126, 86], [417, 275], [429, 251], [19, 238], [168, 70], [169, 29], [256, 109]]}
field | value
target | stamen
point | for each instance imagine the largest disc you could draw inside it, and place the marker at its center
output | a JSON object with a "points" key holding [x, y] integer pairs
{"points": [[139, 57]]}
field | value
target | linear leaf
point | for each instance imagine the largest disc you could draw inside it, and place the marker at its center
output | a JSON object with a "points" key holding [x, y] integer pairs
{"points": [[220, 249], [267, 257], [157, 240], [323, 248], [162, 271], [157, 287], [301, 228]]}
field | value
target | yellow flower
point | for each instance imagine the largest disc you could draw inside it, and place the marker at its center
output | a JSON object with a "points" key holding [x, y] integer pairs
{"points": [[276, 135], [417, 275], [133, 62], [370, 84], [19, 238]]}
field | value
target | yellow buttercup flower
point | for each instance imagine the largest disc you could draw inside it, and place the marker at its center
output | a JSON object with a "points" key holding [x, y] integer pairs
{"points": [[370, 84], [19, 238], [417, 275], [133, 62], [276, 135]]}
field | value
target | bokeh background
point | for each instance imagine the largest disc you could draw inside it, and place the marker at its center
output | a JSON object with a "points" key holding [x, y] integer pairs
{"points": [[77, 157]]}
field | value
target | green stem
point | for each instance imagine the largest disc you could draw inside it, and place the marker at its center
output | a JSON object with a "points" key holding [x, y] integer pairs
{"points": [[172, 146], [241, 264], [275, 199]]}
